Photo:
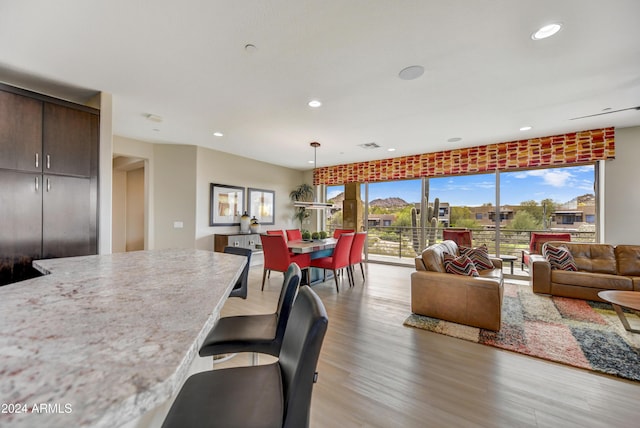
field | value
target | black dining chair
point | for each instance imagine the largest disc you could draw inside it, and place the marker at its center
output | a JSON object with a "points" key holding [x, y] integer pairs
{"points": [[271, 395], [242, 285], [255, 333]]}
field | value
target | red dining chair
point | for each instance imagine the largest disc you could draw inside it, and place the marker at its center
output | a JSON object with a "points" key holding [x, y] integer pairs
{"points": [[277, 256], [294, 235], [338, 232], [462, 237], [355, 255], [338, 260], [278, 232]]}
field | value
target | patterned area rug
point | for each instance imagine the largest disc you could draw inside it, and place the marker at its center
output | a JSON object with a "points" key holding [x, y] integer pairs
{"points": [[576, 332]]}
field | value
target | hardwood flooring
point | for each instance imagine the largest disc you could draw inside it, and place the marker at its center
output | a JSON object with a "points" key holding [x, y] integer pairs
{"points": [[375, 372]]}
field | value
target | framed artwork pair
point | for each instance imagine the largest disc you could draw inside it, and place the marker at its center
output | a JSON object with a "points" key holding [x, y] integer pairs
{"points": [[228, 204]]}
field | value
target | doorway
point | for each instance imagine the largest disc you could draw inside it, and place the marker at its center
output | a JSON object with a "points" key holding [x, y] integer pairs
{"points": [[128, 229]]}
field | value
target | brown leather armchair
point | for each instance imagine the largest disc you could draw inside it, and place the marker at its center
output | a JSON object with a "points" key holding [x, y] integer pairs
{"points": [[474, 301]]}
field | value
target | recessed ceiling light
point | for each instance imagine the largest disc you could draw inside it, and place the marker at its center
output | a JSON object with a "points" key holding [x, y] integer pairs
{"points": [[525, 128], [391, 149], [454, 140], [315, 103], [153, 117], [310, 161], [411, 73], [546, 31], [250, 48], [218, 134]]}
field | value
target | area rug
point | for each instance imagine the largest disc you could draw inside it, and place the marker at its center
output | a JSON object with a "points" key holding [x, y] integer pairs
{"points": [[576, 332]]}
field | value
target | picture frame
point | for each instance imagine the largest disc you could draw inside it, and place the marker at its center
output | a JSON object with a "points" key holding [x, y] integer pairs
{"points": [[227, 205], [262, 204]]}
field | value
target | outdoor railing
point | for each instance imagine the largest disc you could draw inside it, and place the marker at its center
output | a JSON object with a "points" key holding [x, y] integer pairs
{"points": [[396, 244]]}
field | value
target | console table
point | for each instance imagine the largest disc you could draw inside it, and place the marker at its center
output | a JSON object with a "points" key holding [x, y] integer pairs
{"points": [[101, 340]]}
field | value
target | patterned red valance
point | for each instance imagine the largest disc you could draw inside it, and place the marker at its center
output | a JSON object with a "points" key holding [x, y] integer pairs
{"points": [[574, 148]]}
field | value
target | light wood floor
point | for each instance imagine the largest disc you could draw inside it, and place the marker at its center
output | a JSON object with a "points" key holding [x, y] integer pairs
{"points": [[375, 372]]}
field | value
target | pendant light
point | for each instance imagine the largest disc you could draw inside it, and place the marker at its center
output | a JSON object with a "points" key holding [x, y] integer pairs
{"points": [[313, 205]]}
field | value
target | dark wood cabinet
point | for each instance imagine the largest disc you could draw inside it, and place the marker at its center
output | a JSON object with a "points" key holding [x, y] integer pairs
{"points": [[67, 227], [21, 227], [66, 132], [48, 181], [20, 132]]}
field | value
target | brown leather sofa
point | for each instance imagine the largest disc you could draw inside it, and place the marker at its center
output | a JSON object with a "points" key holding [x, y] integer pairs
{"points": [[600, 267], [474, 301]]}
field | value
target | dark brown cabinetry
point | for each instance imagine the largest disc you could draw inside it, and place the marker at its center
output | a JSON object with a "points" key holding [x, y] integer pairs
{"points": [[48, 181]]}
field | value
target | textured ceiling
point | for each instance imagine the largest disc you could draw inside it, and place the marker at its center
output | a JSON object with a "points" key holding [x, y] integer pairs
{"points": [[186, 62]]}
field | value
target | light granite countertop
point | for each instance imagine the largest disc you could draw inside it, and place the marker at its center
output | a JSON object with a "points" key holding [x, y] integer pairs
{"points": [[101, 340]]}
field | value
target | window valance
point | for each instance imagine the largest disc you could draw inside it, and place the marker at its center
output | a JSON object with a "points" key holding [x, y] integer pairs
{"points": [[574, 148]]}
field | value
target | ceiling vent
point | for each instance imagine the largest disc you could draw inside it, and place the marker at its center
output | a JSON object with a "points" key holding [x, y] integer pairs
{"points": [[368, 146]]}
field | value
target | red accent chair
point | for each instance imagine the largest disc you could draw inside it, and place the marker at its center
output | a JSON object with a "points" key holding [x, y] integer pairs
{"points": [[338, 260], [338, 232], [537, 240], [294, 235], [462, 237], [277, 256], [355, 255]]}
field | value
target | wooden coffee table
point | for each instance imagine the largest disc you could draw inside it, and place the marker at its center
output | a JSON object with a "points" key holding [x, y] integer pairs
{"points": [[622, 299]]}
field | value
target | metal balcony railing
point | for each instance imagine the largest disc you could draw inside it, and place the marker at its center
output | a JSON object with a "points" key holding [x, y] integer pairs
{"points": [[400, 245]]}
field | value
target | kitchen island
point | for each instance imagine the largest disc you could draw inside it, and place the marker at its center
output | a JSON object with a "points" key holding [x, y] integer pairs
{"points": [[99, 341]]}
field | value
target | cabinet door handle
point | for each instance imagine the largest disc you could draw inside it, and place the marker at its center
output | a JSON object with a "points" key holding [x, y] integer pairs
{"points": [[48, 184], [37, 183], [37, 160], [48, 161]]}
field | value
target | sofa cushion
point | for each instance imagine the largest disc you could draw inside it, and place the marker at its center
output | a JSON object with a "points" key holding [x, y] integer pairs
{"points": [[628, 258], [598, 258], [479, 256], [459, 265], [592, 280], [559, 257]]}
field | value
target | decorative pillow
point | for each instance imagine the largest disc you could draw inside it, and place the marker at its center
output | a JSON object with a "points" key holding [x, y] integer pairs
{"points": [[461, 265], [559, 257], [479, 256]]}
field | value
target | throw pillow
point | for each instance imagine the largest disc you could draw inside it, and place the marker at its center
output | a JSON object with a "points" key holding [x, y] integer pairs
{"points": [[559, 257], [479, 256], [461, 265]]}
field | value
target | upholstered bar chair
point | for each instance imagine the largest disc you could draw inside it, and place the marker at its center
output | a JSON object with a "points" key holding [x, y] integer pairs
{"points": [[338, 260], [255, 333], [277, 256], [242, 285], [271, 395]]}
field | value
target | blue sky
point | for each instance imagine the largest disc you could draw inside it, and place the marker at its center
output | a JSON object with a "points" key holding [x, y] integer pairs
{"points": [[559, 184]]}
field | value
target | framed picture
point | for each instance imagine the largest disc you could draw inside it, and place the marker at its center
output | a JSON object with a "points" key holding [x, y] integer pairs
{"points": [[227, 205], [262, 205]]}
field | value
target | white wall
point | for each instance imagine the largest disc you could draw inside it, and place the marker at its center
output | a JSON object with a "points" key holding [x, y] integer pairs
{"points": [[224, 168], [622, 193], [175, 195]]}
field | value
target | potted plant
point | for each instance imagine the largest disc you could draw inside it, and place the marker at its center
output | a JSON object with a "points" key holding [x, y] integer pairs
{"points": [[302, 193], [323, 234], [315, 236], [306, 235]]}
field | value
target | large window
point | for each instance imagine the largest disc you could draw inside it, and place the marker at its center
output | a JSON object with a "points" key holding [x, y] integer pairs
{"points": [[533, 200]]}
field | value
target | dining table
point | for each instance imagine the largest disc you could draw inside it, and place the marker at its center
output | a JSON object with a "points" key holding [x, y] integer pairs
{"points": [[316, 248], [106, 340]]}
